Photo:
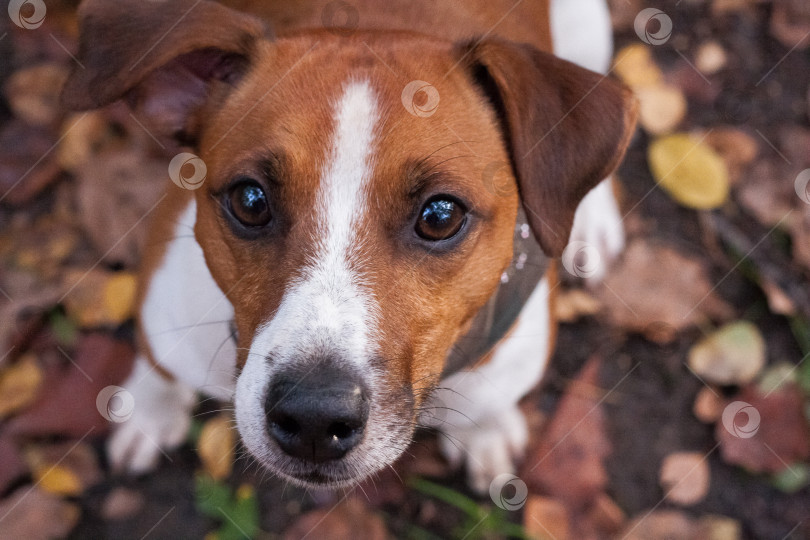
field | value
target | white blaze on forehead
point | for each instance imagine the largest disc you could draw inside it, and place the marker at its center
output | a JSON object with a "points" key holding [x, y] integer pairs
{"points": [[328, 310]]}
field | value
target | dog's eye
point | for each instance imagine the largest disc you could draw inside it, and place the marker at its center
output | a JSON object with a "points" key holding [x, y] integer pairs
{"points": [[248, 204], [440, 218]]}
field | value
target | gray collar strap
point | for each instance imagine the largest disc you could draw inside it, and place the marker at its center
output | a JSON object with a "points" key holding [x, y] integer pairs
{"points": [[496, 318]]}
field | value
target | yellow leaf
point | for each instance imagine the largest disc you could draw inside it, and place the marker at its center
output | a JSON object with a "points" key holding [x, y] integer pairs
{"points": [[216, 446], [691, 172], [19, 385], [734, 354], [100, 298], [661, 108], [119, 296], [635, 66], [58, 480]]}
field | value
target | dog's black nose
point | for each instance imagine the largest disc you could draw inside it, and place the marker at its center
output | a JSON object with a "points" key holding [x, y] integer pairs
{"points": [[317, 416]]}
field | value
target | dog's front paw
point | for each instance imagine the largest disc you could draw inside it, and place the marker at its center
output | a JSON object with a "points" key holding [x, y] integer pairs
{"points": [[159, 420], [597, 237], [490, 447]]}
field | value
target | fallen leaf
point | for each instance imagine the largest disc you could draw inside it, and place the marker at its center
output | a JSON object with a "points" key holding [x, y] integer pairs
{"points": [[661, 108], [764, 192], [545, 518], [69, 406], [635, 66], [689, 170], [684, 477], [606, 515], [713, 527], [58, 479], [74, 463], [34, 514], [99, 298], [216, 447], [122, 503], [14, 466], [708, 405], [567, 464], [710, 57], [349, 519], [776, 435], [737, 148], [83, 136], [669, 524], [19, 385], [790, 23], [23, 146], [734, 354], [117, 191], [570, 305], [683, 294], [33, 92]]}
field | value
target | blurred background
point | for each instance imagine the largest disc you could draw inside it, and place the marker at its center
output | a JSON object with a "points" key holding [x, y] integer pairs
{"points": [[676, 405]]}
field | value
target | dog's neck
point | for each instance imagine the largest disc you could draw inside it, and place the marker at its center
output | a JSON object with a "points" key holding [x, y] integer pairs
{"points": [[493, 321]]}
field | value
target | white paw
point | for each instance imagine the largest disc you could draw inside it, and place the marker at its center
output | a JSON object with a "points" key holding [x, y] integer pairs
{"points": [[597, 237], [160, 421], [490, 448]]}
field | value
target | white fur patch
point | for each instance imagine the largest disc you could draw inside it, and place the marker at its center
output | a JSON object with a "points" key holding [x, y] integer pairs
{"points": [[582, 33], [186, 317], [598, 223], [326, 313]]}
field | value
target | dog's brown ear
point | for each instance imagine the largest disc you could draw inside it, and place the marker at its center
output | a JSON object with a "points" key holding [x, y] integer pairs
{"points": [[566, 128], [162, 56]]}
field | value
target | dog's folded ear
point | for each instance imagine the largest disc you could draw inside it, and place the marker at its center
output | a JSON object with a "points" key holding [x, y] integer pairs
{"points": [[566, 128], [163, 57]]}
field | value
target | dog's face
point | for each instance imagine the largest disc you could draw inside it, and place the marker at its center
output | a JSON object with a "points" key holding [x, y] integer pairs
{"points": [[351, 215]]}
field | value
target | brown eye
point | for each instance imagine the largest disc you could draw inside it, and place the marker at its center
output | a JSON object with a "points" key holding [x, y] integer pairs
{"points": [[440, 218], [248, 203]]}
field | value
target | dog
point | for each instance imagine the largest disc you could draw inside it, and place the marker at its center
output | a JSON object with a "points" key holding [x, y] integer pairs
{"points": [[368, 204]]}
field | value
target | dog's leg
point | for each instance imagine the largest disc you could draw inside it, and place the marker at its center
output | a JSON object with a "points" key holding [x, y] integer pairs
{"points": [[598, 225], [477, 410], [186, 322]]}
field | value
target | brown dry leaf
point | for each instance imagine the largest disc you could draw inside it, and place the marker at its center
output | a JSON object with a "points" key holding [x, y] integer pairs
{"points": [[122, 503], [100, 298], [23, 146], [765, 438], [737, 148], [684, 477], [669, 524], [216, 447], [606, 515], [708, 405], [117, 192], [14, 466], [790, 23], [764, 192], [734, 354], [34, 514], [83, 135], [567, 464], [682, 292], [572, 304], [545, 518], [635, 66], [348, 520], [19, 385], [689, 170], [661, 107], [33, 92], [69, 406]]}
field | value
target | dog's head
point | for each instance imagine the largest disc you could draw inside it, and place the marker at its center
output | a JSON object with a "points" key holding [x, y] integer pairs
{"points": [[356, 217]]}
